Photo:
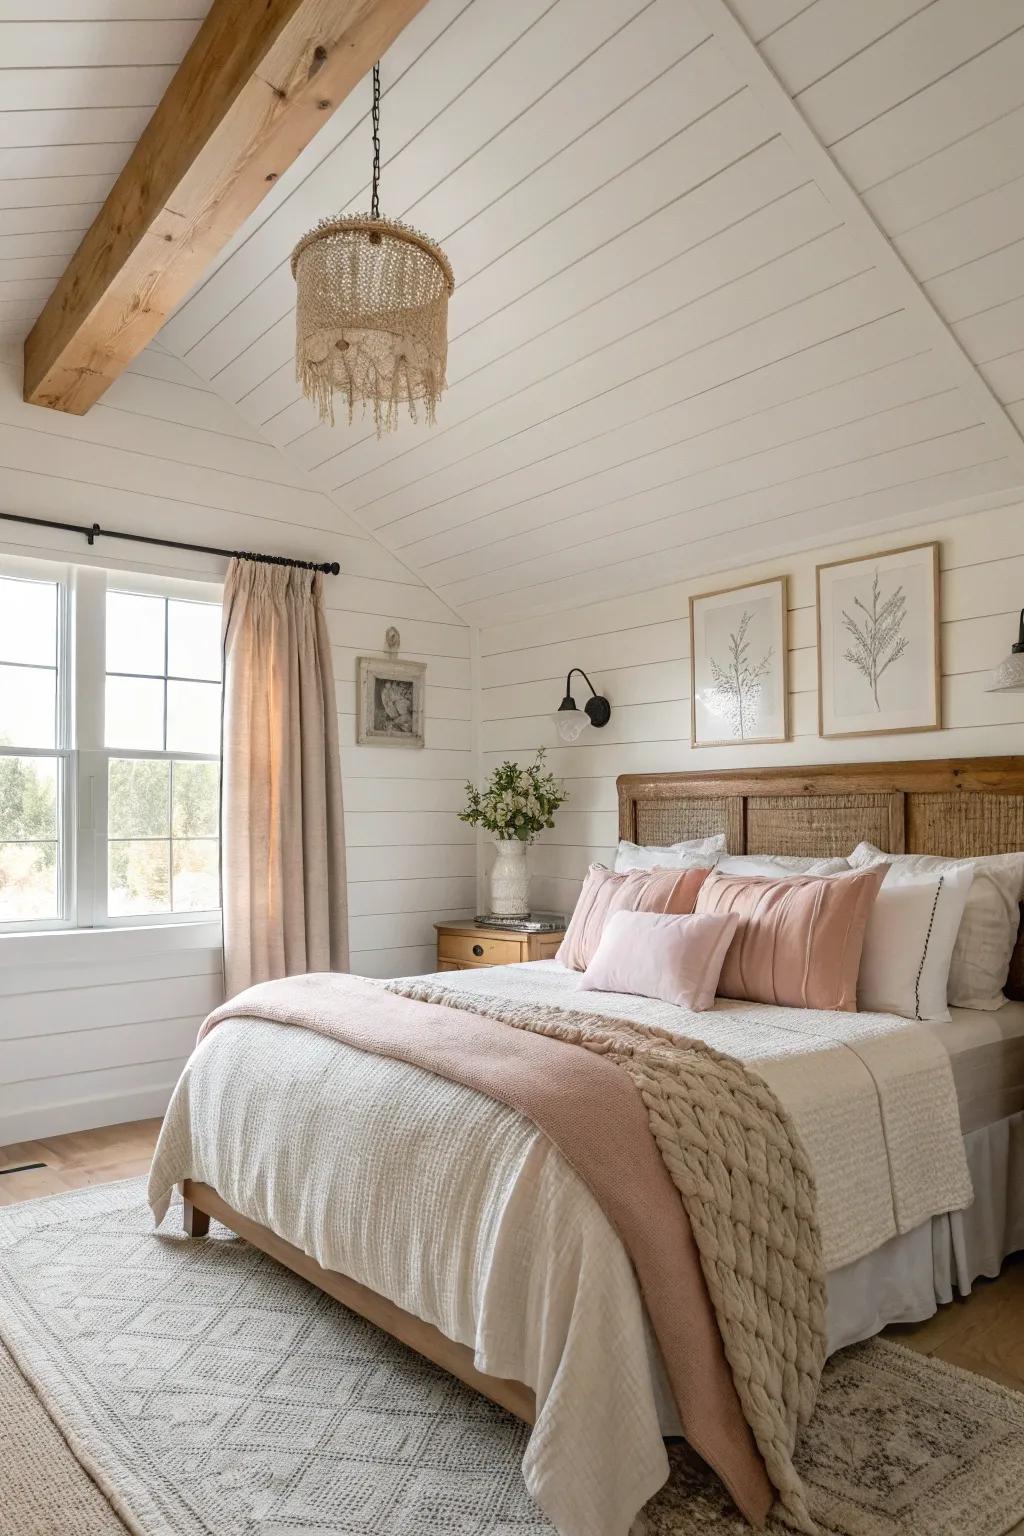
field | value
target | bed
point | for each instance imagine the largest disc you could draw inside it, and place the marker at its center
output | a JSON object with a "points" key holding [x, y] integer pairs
{"points": [[951, 808]]}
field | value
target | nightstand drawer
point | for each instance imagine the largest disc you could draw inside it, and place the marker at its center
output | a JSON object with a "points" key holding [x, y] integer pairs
{"points": [[478, 951]]}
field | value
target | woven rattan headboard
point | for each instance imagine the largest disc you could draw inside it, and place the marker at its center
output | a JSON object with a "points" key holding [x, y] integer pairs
{"points": [[954, 807]]}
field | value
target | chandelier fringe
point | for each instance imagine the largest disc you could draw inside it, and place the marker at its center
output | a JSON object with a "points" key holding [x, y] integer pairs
{"points": [[385, 392]]}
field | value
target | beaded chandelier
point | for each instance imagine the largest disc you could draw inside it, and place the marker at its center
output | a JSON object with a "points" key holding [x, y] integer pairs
{"points": [[371, 316]]}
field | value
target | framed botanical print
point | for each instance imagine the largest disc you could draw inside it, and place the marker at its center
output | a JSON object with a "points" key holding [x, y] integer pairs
{"points": [[878, 643], [389, 702], [739, 680]]}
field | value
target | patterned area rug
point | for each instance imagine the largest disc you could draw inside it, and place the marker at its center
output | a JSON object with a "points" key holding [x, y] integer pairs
{"points": [[209, 1392]]}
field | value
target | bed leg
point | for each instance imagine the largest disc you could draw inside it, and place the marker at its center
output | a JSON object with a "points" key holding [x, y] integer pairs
{"points": [[195, 1222]]}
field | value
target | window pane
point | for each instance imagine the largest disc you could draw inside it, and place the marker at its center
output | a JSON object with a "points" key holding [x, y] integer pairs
{"points": [[138, 798], [193, 717], [135, 633], [28, 706], [135, 713], [196, 799], [196, 886], [28, 882], [193, 639], [139, 878], [28, 621], [28, 798]]}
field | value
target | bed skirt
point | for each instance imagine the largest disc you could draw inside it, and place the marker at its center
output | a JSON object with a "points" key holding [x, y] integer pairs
{"points": [[909, 1277]]}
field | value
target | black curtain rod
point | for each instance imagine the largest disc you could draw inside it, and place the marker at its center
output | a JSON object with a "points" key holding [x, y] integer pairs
{"points": [[94, 531]]}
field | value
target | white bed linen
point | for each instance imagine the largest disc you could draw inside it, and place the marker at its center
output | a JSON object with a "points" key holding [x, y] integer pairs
{"points": [[458, 1210], [910, 1276], [455, 1208], [986, 1053], [872, 1095]]}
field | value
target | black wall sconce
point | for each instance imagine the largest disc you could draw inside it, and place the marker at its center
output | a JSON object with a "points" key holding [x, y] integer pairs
{"points": [[571, 722]]}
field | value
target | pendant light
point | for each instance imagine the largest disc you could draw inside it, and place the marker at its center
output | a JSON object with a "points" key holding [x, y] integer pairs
{"points": [[371, 315]]}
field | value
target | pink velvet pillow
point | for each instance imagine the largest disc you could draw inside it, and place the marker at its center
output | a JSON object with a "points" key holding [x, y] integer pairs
{"points": [[656, 954], [641, 890], [799, 939]]}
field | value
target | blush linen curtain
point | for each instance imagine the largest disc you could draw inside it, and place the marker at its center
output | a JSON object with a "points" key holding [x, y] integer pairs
{"points": [[283, 840]]}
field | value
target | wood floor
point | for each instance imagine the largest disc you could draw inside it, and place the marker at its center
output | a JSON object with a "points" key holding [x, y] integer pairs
{"points": [[984, 1333], [84, 1157]]}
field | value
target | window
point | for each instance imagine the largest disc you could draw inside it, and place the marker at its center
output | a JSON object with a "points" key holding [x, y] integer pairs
{"points": [[162, 696], [110, 697], [33, 759]]}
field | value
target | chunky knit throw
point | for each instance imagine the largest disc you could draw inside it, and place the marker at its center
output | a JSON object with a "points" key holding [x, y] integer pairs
{"points": [[747, 1188]]}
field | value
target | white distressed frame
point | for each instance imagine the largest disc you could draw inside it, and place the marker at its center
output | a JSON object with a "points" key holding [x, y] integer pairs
{"points": [[369, 668]]}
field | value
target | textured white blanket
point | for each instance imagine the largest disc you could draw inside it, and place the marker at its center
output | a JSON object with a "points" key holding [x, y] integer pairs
{"points": [[872, 1096], [458, 1210]]}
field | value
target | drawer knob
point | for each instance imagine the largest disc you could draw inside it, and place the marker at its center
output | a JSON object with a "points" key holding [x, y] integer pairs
{"points": [[478, 949]]}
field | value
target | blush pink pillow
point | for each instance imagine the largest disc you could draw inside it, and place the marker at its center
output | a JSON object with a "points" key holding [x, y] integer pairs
{"points": [[799, 939], [656, 954], [641, 890]]}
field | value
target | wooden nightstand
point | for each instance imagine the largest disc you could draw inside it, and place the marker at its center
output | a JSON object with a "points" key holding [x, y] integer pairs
{"points": [[467, 946]]}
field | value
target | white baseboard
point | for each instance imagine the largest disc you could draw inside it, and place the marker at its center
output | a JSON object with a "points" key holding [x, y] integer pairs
{"points": [[114, 1108]]}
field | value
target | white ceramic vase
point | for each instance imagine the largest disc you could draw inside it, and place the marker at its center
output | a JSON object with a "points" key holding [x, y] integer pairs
{"points": [[510, 879]]}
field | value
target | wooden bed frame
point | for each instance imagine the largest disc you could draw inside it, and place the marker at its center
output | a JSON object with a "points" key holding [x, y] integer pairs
{"points": [[950, 807]]}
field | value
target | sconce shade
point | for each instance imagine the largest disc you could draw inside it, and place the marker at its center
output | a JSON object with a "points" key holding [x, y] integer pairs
{"points": [[571, 722], [1008, 677]]}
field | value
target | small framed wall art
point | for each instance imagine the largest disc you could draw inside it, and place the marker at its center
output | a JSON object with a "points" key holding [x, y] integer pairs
{"points": [[878, 643], [389, 702], [739, 681]]}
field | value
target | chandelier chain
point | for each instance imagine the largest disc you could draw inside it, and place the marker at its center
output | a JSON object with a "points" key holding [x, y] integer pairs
{"points": [[375, 117]]}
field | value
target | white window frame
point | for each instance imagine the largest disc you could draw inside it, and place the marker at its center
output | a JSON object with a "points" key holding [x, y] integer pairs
{"points": [[81, 749]]}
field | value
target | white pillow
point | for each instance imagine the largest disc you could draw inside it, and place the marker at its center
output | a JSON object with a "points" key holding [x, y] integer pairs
{"points": [[981, 955], [780, 864], [702, 850], [908, 943]]}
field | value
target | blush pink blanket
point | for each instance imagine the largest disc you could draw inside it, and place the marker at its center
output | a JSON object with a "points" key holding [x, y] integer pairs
{"points": [[592, 1112]]}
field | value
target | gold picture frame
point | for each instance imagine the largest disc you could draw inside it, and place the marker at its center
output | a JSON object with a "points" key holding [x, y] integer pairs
{"points": [[874, 612], [726, 681]]}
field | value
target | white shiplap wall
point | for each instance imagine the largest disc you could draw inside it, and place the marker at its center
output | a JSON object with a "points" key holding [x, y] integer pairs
{"points": [[94, 1027], [636, 650]]}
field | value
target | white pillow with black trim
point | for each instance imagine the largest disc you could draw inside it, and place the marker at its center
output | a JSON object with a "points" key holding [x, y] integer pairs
{"points": [[909, 940], [779, 864], [701, 851], [984, 945]]}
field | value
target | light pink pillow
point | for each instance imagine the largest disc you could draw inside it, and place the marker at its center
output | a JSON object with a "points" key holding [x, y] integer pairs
{"points": [[799, 939], [641, 890], [656, 954]]}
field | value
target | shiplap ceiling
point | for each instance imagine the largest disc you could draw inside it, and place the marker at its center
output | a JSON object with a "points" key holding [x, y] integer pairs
{"points": [[730, 281], [78, 82]]}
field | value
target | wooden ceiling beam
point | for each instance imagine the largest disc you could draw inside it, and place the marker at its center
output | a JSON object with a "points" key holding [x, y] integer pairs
{"points": [[260, 79]]}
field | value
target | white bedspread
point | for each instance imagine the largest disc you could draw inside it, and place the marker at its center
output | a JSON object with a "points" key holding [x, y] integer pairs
{"points": [[872, 1096], [459, 1211]]}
